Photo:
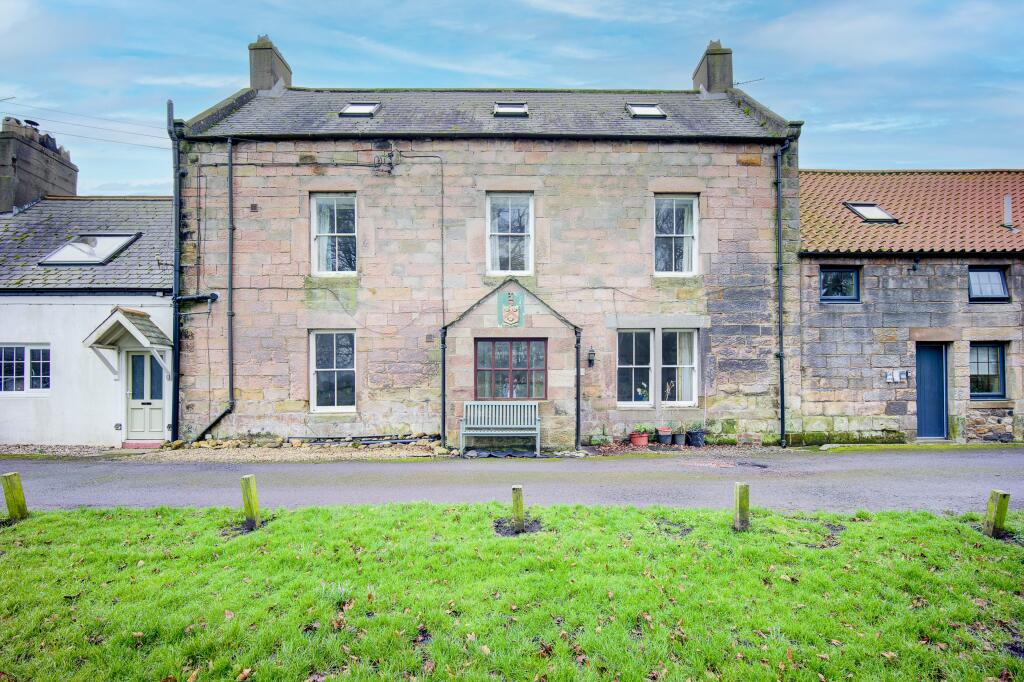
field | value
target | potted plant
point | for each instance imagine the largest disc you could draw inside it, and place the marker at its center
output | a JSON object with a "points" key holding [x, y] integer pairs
{"points": [[679, 437], [664, 435], [695, 434], [640, 434]]}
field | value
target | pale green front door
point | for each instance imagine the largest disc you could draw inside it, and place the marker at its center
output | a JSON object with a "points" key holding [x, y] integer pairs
{"points": [[145, 398]]}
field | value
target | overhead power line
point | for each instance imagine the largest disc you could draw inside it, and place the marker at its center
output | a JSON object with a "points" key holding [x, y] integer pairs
{"points": [[104, 139], [112, 130], [98, 118]]}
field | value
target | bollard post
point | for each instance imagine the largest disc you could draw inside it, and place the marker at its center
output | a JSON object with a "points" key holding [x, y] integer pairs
{"points": [[995, 519], [741, 514], [518, 512], [250, 501], [14, 495]]}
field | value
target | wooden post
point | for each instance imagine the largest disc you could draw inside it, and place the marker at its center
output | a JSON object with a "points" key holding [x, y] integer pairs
{"points": [[995, 519], [741, 515], [250, 501], [518, 512], [14, 495]]}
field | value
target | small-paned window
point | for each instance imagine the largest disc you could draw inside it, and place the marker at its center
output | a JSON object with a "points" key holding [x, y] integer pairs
{"points": [[675, 235], [634, 367], [511, 109], [872, 213], [334, 234], [510, 234], [988, 371], [90, 249], [333, 370], [839, 284], [24, 368], [511, 369], [645, 110], [364, 109], [987, 285], [679, 366]]}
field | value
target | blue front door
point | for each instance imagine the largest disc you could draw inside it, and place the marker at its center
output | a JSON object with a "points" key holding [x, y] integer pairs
{"points": [[931, 391]]}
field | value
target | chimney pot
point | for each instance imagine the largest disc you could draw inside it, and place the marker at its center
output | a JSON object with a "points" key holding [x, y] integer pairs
{"points": [[714, 72], [266, 65]]}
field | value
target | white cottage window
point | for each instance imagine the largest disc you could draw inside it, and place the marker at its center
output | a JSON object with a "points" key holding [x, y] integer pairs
{"points": [[679, 367], [675, 235], [334, 234], [633, 372], [332, 371], [24, 368], [510, 234]]}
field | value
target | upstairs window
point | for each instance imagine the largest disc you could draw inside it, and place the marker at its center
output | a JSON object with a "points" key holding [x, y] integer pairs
{"points": [[333, 371], [839, 284], [24, 368], [675, 235], [509, 234], [363, 109], [988, 371], [987, 285], [638, 110], [334, 234], [90, 249], [511, 109], [870, 213]]}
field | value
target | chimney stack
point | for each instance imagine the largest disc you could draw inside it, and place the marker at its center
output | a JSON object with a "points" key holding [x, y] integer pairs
{"points": [[1008, 210], [267, 66], [32, 165], [714, 73]]}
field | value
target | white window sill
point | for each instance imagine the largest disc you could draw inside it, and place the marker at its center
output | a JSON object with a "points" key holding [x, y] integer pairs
{"points": [[635, 406], [352, 273], [509, 273], [678, 275], [333, 410], [677, 405]]}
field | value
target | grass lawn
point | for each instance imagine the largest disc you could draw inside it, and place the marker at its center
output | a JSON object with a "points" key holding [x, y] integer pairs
{"points": [[431, 592]]}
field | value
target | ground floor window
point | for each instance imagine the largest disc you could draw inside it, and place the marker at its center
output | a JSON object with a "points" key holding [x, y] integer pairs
{"points": [[333, 370], [679, 366], [24, 368], [988, 371], [511, 369], [634, 366]]}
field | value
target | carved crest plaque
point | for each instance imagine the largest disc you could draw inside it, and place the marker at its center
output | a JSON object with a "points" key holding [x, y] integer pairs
{"points": [[510, 309]]}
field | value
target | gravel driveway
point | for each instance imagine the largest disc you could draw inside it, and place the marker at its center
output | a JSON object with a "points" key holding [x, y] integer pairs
{"points": [[950, 480]]}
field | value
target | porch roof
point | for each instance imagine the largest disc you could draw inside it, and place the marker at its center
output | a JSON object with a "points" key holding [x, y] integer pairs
{"points": [[505, 281], [136, 323]]}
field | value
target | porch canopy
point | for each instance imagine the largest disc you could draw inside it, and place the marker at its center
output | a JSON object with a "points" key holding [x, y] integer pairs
{"points": [[128, 323]]}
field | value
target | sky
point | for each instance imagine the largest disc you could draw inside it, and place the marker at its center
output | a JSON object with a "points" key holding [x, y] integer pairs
{"points": [[879, 83]]}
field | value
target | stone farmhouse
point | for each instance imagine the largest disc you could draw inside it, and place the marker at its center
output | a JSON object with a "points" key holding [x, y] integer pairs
{"points": [[383, 257], [911, 289]]}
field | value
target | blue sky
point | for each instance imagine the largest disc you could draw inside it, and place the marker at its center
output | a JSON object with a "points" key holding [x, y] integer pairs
{"points": [[880, 84]]}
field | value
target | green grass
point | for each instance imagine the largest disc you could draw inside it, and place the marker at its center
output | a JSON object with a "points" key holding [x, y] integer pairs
{"points": [[923, 447], [429, 591]]}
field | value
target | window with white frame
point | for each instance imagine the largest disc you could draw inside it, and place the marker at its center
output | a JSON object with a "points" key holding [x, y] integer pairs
{"points": [[634, 367], [675, 235], [24, 368], [510, 234], [334, 234], [332, 371], [679, 366]]}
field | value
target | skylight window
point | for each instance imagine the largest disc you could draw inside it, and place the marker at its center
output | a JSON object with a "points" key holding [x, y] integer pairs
{"points": [[366, 109], [648, 110], [511, 109], [90, 249], [872, 213]]}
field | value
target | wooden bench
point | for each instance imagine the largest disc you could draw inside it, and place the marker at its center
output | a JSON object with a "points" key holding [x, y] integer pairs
{"points": [[490, 418]]}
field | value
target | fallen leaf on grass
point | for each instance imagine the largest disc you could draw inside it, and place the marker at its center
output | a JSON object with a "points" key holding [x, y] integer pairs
{"points": [[428, 666], [888, 655], [194, 676], [545, 649], [228, 615], [485, 650], [244, 675]]}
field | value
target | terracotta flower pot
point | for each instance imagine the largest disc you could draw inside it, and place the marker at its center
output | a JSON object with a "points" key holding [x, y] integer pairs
{"points": [[638, 438]]}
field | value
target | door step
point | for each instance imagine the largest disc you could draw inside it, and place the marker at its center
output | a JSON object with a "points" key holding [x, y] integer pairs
{"points": [[141, 444]]}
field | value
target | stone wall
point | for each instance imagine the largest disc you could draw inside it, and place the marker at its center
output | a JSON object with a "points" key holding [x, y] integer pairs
{"points": [[849, 348], [594, 214], [31, 165]]}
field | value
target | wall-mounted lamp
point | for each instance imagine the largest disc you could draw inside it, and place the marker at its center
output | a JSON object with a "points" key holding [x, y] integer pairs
{"points": [[591, 356]]}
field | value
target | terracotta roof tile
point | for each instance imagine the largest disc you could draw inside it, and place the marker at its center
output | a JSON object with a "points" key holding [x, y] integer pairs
{"points": [[938, 211]]}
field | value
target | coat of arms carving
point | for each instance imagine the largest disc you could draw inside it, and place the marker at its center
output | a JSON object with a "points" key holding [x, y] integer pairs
{"points": [[511, 310]]}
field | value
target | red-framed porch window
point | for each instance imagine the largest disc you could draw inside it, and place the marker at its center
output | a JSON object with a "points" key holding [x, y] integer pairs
{"points": [[511, 369]]}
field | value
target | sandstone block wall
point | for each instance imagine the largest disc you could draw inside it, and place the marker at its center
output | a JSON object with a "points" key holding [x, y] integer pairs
{"points": [[594, 242], [848, 348]]}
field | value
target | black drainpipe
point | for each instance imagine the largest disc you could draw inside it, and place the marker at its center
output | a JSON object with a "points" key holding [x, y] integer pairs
{"points": [[444, 386], [577, 389], [778, 271], [175, 283], [230, 292]]}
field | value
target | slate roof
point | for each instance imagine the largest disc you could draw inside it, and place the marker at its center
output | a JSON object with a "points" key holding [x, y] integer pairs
{"points": [[144, 323], [941, 211], [305, 112], [32, 234]]}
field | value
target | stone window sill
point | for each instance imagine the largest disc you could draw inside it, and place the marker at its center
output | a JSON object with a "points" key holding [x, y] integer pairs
{"points": [[1001, 404]]}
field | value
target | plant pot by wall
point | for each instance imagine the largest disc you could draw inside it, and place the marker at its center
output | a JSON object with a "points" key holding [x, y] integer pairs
{"points": [[678, 439], [695, 438], [664, 438], [638, 438]]}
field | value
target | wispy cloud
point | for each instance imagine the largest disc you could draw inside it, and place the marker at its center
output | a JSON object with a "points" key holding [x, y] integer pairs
{"points": [[882, 125], [567, 51], [194, 80], [630, 11], [155, 186]]}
